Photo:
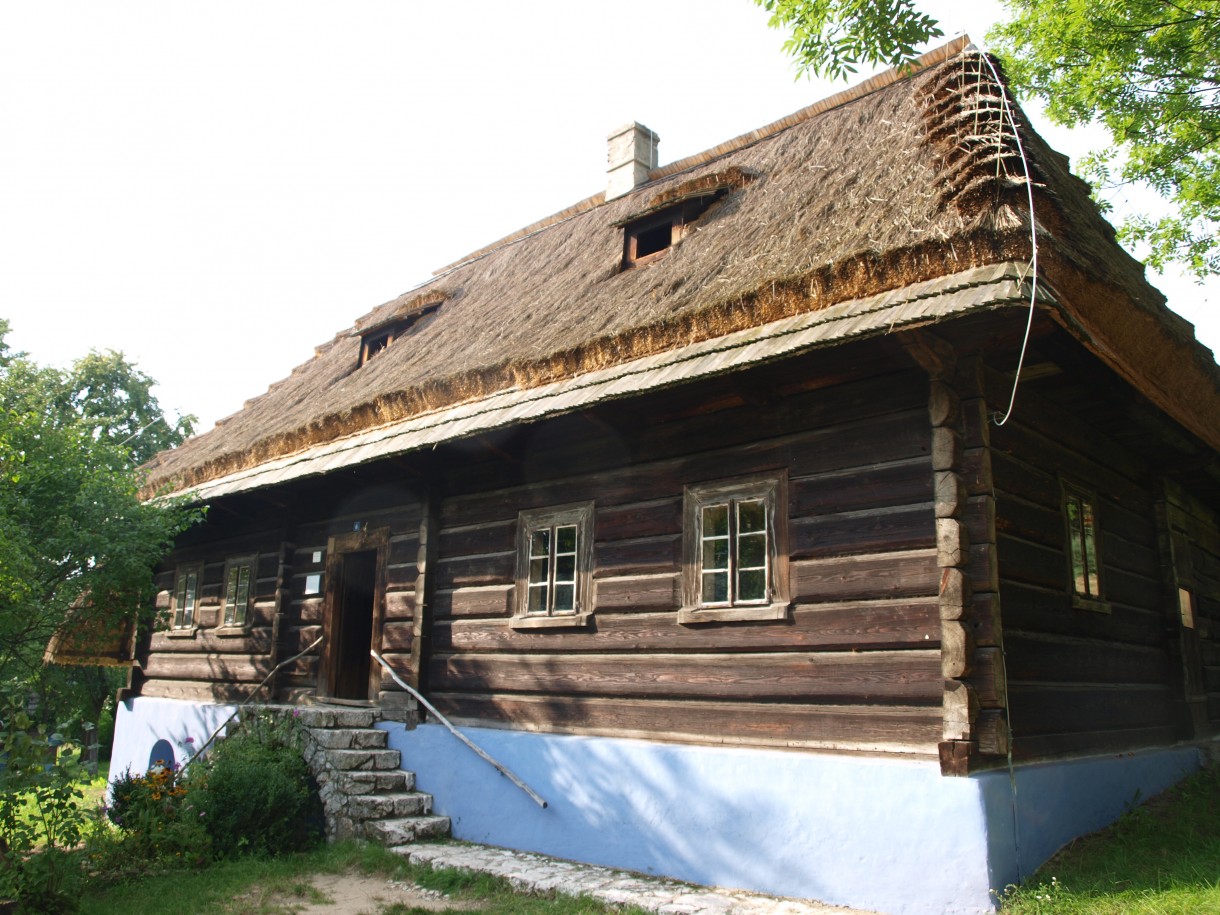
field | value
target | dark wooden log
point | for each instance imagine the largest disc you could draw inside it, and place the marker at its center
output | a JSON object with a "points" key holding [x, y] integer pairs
{"points": [[400, 605], [907, 574], [1061, 708], [1037, 658], [883, 530], [860, 677], [904, 482], [240, 642], [641, 556], [638, 593], [861, 625], [899, 729], [207, 668], [489, 600]]}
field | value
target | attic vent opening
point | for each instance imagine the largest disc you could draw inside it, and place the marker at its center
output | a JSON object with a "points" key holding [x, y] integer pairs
{"points": [[375, 340], [650, 236]]}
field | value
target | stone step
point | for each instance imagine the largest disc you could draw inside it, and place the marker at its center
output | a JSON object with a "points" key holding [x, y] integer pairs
{"points": [[357, 783], [366, 760], [389, 806], [350, 738], [336, 717], [408, 829]]}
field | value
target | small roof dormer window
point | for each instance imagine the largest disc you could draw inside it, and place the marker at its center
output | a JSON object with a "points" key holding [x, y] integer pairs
{"points": [[376, 338], [651, 236], [671, 214]]}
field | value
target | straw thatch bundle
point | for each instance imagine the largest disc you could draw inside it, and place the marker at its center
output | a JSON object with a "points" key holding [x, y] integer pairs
{"points": [[901, 180]]}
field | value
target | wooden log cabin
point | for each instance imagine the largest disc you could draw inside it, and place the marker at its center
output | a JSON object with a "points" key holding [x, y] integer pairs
{"points": [[770, 512]]}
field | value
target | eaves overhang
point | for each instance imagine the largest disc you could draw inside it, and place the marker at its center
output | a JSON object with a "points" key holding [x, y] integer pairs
{"points": [[980, 289]]}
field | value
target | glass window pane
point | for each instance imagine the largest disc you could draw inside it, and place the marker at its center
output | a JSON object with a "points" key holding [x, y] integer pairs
{"points": [[1089, 529], [1076, 546], [539, 571], [716, 521], [188, 603], [715, 587], [179, 600], [565, 598], [715, 554], [751, 585], [751, 516], [565, 569], [752, 551], [565, 539], [537, 599], [243, 595], [540, 542]]}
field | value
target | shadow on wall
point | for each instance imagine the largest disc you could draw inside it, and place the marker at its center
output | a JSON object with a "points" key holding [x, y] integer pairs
{"points": [[845, 830], [147, 730]]}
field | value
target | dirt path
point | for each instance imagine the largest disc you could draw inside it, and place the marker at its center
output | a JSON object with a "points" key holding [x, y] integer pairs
{"points": [[359, 894]]}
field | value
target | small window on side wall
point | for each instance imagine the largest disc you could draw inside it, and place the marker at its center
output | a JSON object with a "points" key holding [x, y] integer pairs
{"points": [[1083, 552], [187, 581], [735, 557], [554, 564], [239, 590]]}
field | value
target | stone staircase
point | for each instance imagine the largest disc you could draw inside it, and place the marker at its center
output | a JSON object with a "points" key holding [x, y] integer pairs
{"points": [[364, 792]]}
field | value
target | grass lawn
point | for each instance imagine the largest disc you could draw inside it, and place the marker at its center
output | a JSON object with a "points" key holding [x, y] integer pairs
{"points": [[280, 886], [1162, 858]]}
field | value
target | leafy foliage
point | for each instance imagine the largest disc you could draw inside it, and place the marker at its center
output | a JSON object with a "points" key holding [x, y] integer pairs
{"points": [[115, 400], [76, 544], [256, 792], [41, 818], [160, 822], [830, 37], [1149, 71]]}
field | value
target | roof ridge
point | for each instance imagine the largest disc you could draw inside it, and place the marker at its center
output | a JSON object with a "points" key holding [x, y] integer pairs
{"points": [[873, 84]]}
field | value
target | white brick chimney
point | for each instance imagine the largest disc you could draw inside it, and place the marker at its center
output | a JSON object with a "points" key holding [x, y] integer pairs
{"points": [[632, 154]]}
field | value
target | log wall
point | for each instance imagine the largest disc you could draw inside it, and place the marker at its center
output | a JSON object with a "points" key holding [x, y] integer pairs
{"points": [[856, 667], [1078, 679]]}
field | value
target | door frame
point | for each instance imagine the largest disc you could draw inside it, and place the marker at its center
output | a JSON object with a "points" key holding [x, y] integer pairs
{"points": [[337, 546]]}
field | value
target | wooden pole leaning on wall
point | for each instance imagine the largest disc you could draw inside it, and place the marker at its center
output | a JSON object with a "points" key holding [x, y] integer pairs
{"points": [[503, 770], [224, 724]]}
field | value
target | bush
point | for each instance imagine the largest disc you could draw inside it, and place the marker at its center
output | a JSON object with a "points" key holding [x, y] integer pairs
{"points": [[160, 820], [40, 813], [256, 792]]}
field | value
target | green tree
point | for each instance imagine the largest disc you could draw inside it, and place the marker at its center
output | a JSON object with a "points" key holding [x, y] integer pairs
{"points": [[830, 37], [76, 542], [1146, 70], [115, 399]]}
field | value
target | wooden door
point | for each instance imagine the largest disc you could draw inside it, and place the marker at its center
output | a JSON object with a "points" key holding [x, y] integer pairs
{"points": [[355, 597]]}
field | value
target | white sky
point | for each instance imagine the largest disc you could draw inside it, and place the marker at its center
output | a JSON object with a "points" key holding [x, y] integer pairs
{"points": [[216, 188]]}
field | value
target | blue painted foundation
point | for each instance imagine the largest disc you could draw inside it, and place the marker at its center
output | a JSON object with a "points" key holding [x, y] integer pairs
{"points": [[891, 835], [145, 730]]}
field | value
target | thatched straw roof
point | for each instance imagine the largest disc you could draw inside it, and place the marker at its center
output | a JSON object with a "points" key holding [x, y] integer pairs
{"points": [[903, 180]]}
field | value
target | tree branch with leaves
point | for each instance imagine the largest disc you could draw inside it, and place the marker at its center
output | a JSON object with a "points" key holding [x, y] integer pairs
{"points": [[1146, 70]]}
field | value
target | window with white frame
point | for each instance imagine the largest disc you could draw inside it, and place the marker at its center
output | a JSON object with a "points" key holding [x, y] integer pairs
{"points": [[554, 560], [734, 551], [187, 582], [239, 590]]}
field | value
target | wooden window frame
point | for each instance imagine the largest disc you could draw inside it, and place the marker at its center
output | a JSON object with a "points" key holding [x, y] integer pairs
{"points": [[241, 620], [581, 516], [375, 340], [1093, 596], [772, 490], [679, 217], [184, 621]]}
